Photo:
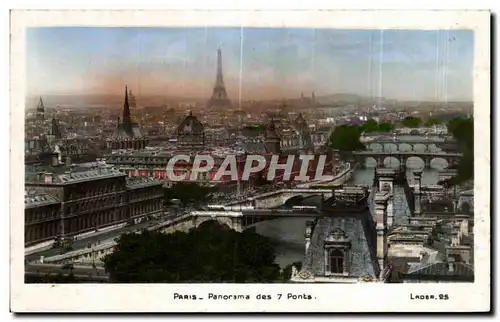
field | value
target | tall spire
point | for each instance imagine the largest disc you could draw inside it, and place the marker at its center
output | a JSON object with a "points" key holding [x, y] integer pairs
{"points": [[220, 80], [219, 97], [40, 106], [40, 110], [127, 123]]}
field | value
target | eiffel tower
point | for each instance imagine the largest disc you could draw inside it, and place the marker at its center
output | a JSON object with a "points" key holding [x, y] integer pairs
{"points": [[219, 97]]}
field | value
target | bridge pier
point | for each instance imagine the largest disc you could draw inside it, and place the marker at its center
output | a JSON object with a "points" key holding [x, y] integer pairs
{"points": [[427, 163], [380, 162]]}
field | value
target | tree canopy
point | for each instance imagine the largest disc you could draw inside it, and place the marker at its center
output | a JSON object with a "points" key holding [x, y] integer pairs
{"points": [[346, 138], [373, 126], [210, 253], [370, 126], [385, 127], [188, 192], [412, 121], [432, 121], [462, 129]]}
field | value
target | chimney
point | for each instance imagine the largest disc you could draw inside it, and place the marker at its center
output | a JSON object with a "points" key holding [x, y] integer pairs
{"points": [[48, 177], [451, 264]]}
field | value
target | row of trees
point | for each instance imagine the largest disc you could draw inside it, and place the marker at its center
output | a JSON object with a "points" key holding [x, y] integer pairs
{"points": [[189, 192], [210, 253], [415, 122], [373, 126], [462, 129], [346, 137]]}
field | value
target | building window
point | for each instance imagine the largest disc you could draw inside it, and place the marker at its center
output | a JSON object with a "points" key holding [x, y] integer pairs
{"points": [[336, 261]]}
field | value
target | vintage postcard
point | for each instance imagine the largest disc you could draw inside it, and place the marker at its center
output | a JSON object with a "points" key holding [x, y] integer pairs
{"points": [[250, 161]]}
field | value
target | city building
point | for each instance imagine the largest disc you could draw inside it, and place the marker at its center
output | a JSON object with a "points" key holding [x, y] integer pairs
{"points": [[127, 134], [71, 201], [190, 134], [42, 217], [349, 246], [272, 139]]}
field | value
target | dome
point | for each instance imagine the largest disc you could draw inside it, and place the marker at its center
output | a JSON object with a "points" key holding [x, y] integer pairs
{"points": [[190, 125]]}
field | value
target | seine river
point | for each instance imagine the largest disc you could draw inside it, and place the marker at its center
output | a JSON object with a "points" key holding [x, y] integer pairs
{"points": [[289, 233]]}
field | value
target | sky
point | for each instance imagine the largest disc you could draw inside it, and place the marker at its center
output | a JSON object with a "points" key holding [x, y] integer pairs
{"points": [[258, 63]]}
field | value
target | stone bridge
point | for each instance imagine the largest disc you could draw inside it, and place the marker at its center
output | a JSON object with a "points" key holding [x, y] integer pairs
{"points": [[385, 142], [278, 198], [427, 131], [451, 158], [237, 220]]}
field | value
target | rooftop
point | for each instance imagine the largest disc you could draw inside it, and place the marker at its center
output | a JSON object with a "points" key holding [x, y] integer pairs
{"points": [[442, 269], [64, 175], [359, 230], [36, 199], [140, 182]]}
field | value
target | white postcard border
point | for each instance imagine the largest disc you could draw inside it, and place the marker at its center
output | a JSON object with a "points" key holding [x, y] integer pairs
{"points": [[326, 297]]}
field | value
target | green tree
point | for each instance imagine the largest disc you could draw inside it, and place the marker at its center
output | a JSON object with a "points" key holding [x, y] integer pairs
{"points": [[385, 127], [189, 192], [346, 138], [432, 121], [210, 253], [462, 129], [412, 121], [370, 126]]}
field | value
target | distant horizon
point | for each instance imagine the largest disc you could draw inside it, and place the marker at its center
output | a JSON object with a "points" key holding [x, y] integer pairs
{"points": [[258, 63], [116, 95]]}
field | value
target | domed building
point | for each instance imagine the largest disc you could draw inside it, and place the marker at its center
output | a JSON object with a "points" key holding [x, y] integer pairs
{"points": [[190, 134], [127, 134]]}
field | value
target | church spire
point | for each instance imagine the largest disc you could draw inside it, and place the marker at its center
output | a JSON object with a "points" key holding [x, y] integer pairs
{"points": [[127, 122], [40, 110]]}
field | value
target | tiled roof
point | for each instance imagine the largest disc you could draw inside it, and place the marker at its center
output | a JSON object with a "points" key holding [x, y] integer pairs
{"points": [[442, 269], [37, 199], [139, 182], [360, 230], [76, 174], [89, 175]]}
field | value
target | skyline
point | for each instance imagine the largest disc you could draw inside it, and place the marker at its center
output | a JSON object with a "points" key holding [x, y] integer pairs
{"points": [[258, 63]]}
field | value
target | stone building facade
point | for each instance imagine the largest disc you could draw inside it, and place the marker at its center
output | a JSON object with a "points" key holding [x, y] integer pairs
{"points": [[41, 217], [87, 201]]}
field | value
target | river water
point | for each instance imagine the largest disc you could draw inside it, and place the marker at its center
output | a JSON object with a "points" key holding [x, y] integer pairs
{"points": [[288, 233]]}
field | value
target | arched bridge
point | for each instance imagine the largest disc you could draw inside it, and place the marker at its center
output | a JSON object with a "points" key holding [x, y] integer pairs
{"points": [[237, 220], [427, 131], [278, 198], [385, 142], [451, 158]]}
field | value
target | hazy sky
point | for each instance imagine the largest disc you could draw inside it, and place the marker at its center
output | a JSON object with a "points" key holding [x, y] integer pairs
{"points": [[258, 63]]}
